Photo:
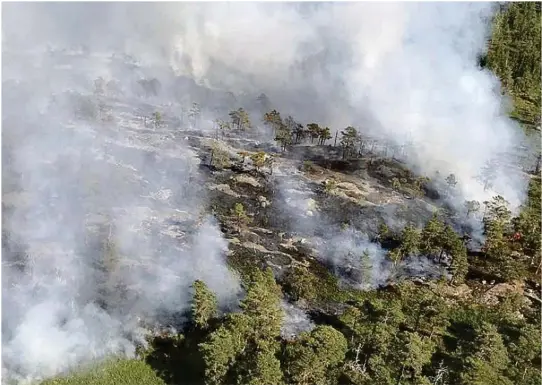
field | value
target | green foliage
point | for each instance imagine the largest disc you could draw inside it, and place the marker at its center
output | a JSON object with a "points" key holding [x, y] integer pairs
{"points": [[528, 225], [432, 236], [485, 357], [244, 344], [455, 248], [241, 217], [223, 346], [404, 334], [410, 241], [300, 284], [261, 366], [419, 184], [371, 327], [411, 352], [204, 305], [523, 350], [460, 265], [324, 134], [383, 231], [240, 119], [498, 246], [118, 372], [349, 141], [534, 194], [219, 157], [313, 130], [273, 119], [258, 159], [425, 311], [514, 55], [311, 358], [284, 137], [262, 305]]}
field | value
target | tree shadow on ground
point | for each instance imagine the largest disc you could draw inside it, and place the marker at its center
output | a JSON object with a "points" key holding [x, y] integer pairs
{"points": [[178, 361]]}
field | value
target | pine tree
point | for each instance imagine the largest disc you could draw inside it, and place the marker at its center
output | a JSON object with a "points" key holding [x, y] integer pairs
{"points": [[409, 354], [273, 119], [313, 130], [349, 140], [324, 134], [262, 366], [486, 358], [300, 284], [311, 357], [204, 305], [410, 240], [240, 119], [219, 157], [244, 345], [241, 217], [223, 346], [284, 137], [262, 305], [431, 236]]}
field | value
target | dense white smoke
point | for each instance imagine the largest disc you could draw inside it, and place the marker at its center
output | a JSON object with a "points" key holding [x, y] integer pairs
{"points": [[295, 321], [104, 223], [405, 72]]}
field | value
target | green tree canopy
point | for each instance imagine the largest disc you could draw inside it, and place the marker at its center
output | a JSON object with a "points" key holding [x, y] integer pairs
{"points": [[204, 305]]}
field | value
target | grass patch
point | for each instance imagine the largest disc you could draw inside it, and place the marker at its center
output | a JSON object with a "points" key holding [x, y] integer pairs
{"points": [[118, 372]]}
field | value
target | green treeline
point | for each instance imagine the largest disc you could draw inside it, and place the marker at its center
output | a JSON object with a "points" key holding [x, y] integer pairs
{"points": [[514, 55], [444, 332]]}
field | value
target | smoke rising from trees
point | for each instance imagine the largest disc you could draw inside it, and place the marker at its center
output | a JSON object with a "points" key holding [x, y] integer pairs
{"points": [[406, 72]]}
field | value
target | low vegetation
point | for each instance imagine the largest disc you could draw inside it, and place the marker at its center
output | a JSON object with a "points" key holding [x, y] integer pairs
{"points": [[118, 372]]}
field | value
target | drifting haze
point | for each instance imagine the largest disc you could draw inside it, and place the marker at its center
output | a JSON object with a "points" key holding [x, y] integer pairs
{"points": [[405, 72]]}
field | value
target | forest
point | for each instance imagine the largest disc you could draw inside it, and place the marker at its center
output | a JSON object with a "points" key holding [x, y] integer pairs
{"points": [[514, 55], [454, 330]]}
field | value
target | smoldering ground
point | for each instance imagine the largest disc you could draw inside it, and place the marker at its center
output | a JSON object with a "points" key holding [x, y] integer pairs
{"points": [[408, 71]]}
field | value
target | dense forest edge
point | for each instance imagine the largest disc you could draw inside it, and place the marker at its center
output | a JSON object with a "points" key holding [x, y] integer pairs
{"points": [[514, 55], [433, 332]]}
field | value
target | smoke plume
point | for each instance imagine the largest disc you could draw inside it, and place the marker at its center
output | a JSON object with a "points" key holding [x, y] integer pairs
{"points": [[96, 214]]}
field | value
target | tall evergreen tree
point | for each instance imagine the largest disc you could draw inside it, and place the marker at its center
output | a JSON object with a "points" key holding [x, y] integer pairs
{"points": [[204, 305]]}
